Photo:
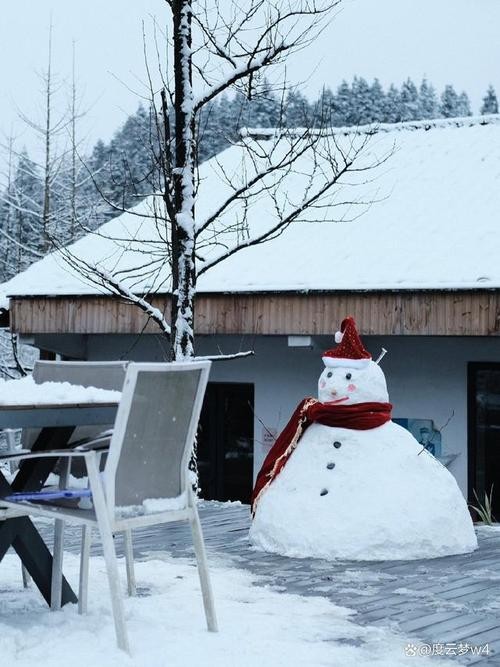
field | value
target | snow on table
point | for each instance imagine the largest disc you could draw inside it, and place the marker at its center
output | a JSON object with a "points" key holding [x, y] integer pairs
{"points": [[26, 391]]}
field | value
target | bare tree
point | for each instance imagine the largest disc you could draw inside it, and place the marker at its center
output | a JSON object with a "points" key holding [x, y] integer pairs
{"points": [[213, 51], [79, 202], [49, 131], [10, 259], [74, 153], [51, 197]]}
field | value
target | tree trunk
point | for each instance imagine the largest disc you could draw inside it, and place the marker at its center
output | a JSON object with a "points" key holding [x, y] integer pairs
{"points": [[46, 178], [183, 257], [72, 230]]}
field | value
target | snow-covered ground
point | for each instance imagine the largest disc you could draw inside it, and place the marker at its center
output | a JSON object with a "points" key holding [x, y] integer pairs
{"points": [[258, 626]]}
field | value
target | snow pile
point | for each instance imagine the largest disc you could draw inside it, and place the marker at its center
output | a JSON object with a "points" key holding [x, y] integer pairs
{"points": [[167, 626], [26, 391], [152, 505]]}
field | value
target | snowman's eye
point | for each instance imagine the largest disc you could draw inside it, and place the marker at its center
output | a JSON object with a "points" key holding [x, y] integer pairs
{"points": [[329, 374], [348, 376]]}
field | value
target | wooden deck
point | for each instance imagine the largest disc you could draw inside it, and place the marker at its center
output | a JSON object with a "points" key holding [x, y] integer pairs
{"points": [[445, 600]]}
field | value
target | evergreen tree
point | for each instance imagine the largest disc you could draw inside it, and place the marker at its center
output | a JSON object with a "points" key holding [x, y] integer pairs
{"points": [[343, 105], [449, 103], [7, 231], [24, 199], [232, 116], [377, 101], [126, 166], [99, 157], [463, 105], [265, 107], [7, 247], [77, 205], [99, 165], [361, 101], [409, 101], [490, 102], [297, 110], [325, 111], [429, 107], [209, 132], [392, 106]]}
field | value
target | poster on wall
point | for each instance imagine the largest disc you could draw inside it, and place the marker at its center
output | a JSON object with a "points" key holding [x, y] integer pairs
{"points": [[269, 436], [424, 432]]}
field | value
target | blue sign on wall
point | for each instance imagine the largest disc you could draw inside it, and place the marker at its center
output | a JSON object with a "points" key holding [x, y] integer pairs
{"points": [[424, 432]]}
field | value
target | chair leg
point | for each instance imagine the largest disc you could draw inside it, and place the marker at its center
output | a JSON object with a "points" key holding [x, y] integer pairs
{"points": [[108, 546], [201, 558], [83, 588], [26, 576], [57, 561], [11, 448], [129, 560]]}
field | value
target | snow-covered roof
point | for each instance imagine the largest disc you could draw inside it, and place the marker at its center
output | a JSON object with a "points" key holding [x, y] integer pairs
{"points": [[427, 217]]}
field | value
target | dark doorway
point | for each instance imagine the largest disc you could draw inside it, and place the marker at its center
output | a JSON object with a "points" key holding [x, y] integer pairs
{"points": [[225, 442], [484, 432]]}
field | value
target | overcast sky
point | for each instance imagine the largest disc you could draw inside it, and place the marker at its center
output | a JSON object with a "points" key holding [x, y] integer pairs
{"points": [[453, 41]]}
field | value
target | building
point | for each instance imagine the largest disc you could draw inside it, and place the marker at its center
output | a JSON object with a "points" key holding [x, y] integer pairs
{"points": [[414, 259]]}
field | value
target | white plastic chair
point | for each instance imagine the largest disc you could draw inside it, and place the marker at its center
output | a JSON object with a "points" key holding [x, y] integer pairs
{"points": [[147, 459]]}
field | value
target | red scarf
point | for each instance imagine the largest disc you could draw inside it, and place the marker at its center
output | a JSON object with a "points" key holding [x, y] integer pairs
{"points": [[360, 416]]}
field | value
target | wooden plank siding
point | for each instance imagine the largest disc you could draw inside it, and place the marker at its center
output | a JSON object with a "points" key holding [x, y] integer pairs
{"points": [[451, 313]]}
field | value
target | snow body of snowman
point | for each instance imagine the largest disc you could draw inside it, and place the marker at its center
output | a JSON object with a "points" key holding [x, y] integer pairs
{"points": [[362, 493]]}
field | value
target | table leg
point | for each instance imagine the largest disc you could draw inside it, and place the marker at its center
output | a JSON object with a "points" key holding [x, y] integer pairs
{"points": [[37, 559], [33, 473], [20, 533]]}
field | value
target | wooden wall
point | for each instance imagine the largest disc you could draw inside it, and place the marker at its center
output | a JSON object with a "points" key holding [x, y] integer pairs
{"points": [[458, 313]]}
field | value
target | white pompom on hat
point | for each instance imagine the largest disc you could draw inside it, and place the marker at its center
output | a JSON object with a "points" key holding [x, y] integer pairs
{"points": [[350, 351]]}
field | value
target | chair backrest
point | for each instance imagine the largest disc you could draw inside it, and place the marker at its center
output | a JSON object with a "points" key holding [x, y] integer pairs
{"points": [[154, 432], [100, 374]]}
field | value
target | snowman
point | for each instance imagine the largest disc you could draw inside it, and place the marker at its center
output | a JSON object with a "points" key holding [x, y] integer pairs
{"points": [[344, 481]]}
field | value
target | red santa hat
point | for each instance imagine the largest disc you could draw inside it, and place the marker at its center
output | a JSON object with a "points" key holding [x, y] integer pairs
{"points": [[350, 351]]}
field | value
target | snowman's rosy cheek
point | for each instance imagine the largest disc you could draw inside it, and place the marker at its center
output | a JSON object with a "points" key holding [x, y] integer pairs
{"points": [[351, 387], [322, 384]]}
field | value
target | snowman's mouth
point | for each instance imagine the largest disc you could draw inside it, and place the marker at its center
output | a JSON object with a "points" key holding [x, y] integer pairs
{"points": [[338, 400]]}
